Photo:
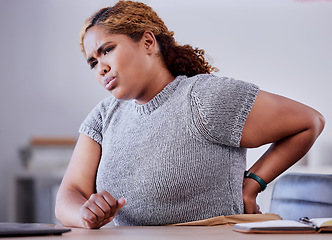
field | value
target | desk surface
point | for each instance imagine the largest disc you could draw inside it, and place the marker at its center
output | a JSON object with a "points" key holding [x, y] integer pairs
{"points": [[174, 233]]}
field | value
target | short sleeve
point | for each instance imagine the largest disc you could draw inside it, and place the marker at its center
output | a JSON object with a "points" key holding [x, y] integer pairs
{"points": [[220, 107], [92, 126], [97, 120]]}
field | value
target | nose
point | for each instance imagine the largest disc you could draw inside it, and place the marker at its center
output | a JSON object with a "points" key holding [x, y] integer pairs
{"points": [[104, 68]]}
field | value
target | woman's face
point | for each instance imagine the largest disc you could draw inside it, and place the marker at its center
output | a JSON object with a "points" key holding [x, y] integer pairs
{"points": [[120, 65]]}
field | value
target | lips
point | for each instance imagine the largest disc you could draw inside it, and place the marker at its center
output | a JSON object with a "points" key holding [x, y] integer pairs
{"points": [[109, 82]]}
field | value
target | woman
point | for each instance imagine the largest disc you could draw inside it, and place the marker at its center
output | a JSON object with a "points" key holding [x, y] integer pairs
{"points": [[169, 145]]}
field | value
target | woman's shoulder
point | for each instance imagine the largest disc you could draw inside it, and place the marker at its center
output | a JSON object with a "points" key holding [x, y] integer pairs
{"points": [[204, 82], [212, 86], [220, 106], [99, 118], [223, 90], [108, 105], [105, 109]]}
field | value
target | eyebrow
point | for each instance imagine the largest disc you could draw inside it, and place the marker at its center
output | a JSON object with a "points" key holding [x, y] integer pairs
{"points": [[99, 50]]}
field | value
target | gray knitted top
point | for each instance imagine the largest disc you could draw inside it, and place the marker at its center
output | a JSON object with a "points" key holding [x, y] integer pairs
{"points": [[176, 158]]}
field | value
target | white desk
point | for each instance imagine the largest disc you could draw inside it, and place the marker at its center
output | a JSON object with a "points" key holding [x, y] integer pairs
{"points": [[174, 233]]}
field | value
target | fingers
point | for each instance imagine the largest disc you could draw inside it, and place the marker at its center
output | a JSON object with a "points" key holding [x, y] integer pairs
{"points": [[250, 206], [111, 203], [100, 209], [254, 210], [258, 209], [249, 194], [120, 203]]}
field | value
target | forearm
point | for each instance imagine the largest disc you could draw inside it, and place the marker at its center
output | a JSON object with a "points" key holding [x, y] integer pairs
{"points": [[279, 157], [78, 183], [283, 154], [67, 209]]}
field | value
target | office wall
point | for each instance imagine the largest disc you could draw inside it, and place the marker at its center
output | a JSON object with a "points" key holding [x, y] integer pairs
{"points": [[47, 88]]}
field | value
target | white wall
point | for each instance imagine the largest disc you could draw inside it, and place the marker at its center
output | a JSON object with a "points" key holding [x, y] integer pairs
{"points": [[47, 89]]}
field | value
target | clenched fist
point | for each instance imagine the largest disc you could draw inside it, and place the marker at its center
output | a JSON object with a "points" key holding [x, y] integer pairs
{"points": [[100, 209]]}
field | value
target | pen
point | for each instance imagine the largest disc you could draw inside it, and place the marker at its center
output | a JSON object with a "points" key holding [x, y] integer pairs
{"points": [[307, 221]]}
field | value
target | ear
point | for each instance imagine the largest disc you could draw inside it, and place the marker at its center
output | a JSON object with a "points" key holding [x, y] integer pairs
{"points": [[149, 42]]}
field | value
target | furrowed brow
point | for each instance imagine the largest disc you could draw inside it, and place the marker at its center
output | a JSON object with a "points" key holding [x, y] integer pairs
{"points": [[99, 51]]}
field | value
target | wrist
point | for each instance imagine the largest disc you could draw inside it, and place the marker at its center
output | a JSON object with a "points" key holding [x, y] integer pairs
{"points": [[259, 180], [250, 188]]}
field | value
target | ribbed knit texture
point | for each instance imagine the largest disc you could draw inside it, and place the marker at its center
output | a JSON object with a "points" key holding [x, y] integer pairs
{"points": [[176, 158]]}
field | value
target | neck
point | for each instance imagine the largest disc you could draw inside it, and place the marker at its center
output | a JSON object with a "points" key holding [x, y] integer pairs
{"points": [[159, 80]]}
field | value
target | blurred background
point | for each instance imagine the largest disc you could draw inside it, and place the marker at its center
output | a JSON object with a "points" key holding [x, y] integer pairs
{"points": [[47, 89]]}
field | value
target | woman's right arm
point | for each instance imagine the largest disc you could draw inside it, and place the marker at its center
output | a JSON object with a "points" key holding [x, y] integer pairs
{"points": [[77, 203]]}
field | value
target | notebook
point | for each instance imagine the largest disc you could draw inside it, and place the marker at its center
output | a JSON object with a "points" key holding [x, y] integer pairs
{"points": [[30, 229], [305, 225]]}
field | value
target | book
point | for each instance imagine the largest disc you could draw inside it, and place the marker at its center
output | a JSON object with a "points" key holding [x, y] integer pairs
{"points": [[305, 225]]}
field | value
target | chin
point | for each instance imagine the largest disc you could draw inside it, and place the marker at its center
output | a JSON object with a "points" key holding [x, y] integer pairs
{"points": [[118, 94]]}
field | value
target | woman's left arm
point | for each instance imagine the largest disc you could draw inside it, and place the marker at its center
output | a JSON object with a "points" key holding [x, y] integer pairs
{"points": [[290, 126]]}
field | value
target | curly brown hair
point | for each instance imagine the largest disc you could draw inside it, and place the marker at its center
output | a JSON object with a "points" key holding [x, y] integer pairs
{"points": [[133, 19]]}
